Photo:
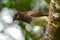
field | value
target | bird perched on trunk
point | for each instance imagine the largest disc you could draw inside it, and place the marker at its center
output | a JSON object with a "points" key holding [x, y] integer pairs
{"points": [[35, 17], [28, 16]]}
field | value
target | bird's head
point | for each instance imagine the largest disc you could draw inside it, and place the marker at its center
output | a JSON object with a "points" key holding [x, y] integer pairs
{"points": [[16, 16]]}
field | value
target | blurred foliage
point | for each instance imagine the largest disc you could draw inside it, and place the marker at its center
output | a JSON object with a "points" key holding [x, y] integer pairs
{"points": [[48, 1], [23, 5], [1, 5], [27, 37], [10, 4], [22, 25], [40, 5]]}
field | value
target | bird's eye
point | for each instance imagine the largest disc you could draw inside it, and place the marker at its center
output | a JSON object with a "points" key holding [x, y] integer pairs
{"points": [[17, 15]]}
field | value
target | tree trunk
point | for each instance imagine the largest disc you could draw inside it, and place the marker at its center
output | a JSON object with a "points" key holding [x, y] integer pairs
{"points": [[53, 29]]}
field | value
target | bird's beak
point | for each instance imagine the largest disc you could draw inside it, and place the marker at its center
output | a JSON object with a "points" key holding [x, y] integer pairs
{"points": [[13, 18]]}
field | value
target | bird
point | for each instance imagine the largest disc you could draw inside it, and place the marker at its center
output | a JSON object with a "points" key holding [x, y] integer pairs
{"points": [[28, 15]]}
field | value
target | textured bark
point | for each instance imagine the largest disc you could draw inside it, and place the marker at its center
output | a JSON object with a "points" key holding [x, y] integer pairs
{"points": [[53, 29]]}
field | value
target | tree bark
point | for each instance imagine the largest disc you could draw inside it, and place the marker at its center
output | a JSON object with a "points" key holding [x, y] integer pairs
{"points": [[53, 29]]}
